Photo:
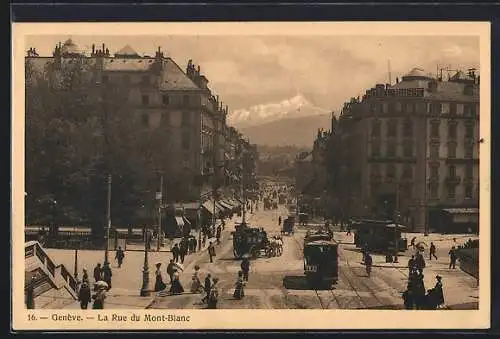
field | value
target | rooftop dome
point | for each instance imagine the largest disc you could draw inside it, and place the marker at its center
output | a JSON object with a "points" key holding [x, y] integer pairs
{"points": [[69, 47], [416, 74]]}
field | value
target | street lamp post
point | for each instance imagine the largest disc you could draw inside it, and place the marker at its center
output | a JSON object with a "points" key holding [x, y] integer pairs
{"points": [[108, 226], [145, 292], [76, 258], [160, 203]]}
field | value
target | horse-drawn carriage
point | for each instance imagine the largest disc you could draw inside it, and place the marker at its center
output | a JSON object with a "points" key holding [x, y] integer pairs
{"points": [[253, 242], [288, 225]]}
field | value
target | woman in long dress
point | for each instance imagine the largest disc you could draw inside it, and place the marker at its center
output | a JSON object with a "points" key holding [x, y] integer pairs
{"points": [[239, 292], [159, 284], [176, 287], [196, 286], [213, 298]]}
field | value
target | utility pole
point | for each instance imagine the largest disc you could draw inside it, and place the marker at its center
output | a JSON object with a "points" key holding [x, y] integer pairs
{"points": [[108, 227], [160, 206]]}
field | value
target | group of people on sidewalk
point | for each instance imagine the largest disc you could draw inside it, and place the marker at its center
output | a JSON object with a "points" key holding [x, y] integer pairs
{"points": [[432, 251]]}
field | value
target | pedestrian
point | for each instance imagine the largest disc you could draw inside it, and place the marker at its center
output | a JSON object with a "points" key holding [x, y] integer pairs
{"points": [[211, 251], [107, 274], [279, 221], [245, 268], [365, 252], [412, 242], [85, 276], [213, 297], [218, 234], [411, 265], [159, 284], [204, 241], [196, 286], [97, 274], [119, 256], [176, 252], [239, 292], [176, 287], [438, 292], [368, 264], [30, 294], [183, 250], [170, 270], [99, 298], [419, 291], [84, 295], [453, 257], [419, 262], [348, 229], [432, 251], [207, 287], [192, 242]]}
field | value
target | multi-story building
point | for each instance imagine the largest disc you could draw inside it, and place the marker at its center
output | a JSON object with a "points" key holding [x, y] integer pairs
{"points": [[410, 149], [164, 99]]}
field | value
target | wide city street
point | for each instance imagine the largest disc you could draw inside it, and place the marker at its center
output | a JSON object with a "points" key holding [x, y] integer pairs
{"points": [[279, 282]]}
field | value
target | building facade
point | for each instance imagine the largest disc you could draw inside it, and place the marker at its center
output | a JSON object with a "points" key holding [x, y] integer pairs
{"points": [[174, 104], [409, 149]]}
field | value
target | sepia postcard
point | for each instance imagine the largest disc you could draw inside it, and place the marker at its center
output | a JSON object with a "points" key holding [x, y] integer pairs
{"points": [[199, 176]]}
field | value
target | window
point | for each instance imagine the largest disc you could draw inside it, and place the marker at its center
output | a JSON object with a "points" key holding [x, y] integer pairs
{"points": [[468, 191], [399, 107], [452, 171], [376, 128], [433, 188], [375, 148], [145, 99], [452, 151], [408, 149], [407, 172], [392, 128], [435, 108], [408, 128], [453, 109], [434, 169], [186, 140], [469, 131], [166, 100], [468, 110], [434, 129], [391, 149], [391, 171], [410, 108], [375, 170], [186, 118], [105, 79], [469, 171], [451, 191], [434, 150], [452, 130], [469, 151], [145, 120], [185, 100]]}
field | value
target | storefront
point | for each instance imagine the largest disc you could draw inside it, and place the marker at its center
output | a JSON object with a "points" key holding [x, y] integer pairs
{"points": [[456, 220]]}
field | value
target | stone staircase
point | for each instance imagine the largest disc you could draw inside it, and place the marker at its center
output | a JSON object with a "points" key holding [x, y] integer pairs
{"points": [[54, 286]]}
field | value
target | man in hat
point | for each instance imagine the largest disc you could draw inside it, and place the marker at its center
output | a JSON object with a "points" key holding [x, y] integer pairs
{"points": [[175, 252], [170, 270], [453, 257], [208, 286], [97, 273], [85, 276], [84, 295], [432, 251], [30, 294], [211, 251], [107, 274], [119, 256]]}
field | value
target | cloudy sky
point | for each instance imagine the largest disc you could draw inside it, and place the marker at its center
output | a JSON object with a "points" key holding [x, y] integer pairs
{"points": [[326, 70]]}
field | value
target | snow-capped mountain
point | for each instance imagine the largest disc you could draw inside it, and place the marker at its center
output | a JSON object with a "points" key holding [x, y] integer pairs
{"points": [[295, 107]]}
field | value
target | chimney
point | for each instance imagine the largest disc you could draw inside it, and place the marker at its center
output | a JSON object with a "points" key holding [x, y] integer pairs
{"points": [[103, 48], [93, 49], [397, 80]]}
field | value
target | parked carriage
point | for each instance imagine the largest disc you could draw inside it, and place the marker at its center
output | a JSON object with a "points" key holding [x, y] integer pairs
{"points": [[288, 225]]}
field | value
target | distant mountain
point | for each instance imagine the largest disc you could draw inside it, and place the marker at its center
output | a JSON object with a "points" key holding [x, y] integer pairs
{"points": [[300, 132], [296, 107]]}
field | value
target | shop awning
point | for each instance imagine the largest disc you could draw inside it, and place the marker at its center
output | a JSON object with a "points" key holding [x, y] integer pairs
{"points": [[186, 221], [226, 204], [463, 215], [209, 206], [220, 206], [179, 221]]}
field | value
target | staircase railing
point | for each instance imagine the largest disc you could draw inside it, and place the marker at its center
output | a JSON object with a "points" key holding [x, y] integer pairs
{"points": [[32, 249]]}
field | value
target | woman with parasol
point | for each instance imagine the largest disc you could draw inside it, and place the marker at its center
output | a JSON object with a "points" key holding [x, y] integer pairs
{"points": [[196, 286], [176, 287], [100, 295], [159, 284]]}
